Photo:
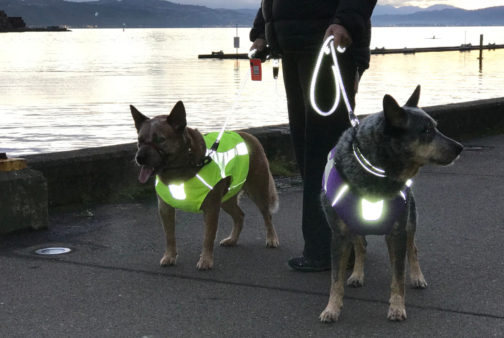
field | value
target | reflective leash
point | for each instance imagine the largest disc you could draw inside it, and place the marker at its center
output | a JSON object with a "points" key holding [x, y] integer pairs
{"points": [[326, 49], [216, 143]]}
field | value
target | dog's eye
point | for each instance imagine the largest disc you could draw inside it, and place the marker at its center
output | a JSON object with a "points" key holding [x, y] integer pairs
{"points": [[427, 130], [159, 139]]}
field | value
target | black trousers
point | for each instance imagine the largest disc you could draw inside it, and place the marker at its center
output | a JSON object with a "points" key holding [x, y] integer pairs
{"points": [[313, 136]]}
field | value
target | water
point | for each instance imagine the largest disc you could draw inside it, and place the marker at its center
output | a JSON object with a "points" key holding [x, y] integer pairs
{"points": [[63, 91]]}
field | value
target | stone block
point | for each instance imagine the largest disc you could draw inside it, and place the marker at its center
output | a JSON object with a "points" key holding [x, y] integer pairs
{"points": [[23, 200]]}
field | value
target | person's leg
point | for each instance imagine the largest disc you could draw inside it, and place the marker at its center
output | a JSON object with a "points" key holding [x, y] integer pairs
{"points": [[321, 134], [295, 106], [297, 123]]}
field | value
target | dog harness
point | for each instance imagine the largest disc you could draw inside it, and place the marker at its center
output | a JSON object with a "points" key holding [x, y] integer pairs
{"points": [[362, 216], [231, 159]]}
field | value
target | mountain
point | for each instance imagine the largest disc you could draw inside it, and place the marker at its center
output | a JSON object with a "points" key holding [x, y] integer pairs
{"points": [[493, 16], [160, 13], [115, 13], [391, 10]]}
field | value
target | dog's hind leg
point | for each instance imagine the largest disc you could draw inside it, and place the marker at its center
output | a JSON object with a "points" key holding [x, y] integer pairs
{"points": [[356, 279], [167, 216], [260, 187], [233, 209], [271, 235], [265, 198], [396, 243]]}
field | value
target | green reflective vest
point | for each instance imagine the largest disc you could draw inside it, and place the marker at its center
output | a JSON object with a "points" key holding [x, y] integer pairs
{"points": [[230, 160]]}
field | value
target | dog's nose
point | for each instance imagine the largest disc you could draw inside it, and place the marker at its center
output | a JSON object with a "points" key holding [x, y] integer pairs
{"points": [[459, 149], [141, 158]]}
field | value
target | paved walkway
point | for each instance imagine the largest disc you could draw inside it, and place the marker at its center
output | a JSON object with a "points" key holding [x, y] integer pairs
{"points": [[112, 286]]}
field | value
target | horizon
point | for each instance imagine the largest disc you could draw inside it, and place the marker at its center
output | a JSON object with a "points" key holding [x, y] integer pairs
{"points": [[253, 4]]}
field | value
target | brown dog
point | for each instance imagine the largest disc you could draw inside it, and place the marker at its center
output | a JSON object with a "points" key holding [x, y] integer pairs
{"points": [[176, 154]]}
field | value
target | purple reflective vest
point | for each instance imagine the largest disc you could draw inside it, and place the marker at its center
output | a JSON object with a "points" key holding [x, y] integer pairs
{"points": [[362, 217]]}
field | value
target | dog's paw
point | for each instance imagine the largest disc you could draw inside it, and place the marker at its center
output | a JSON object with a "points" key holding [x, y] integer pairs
{"points": [[204, 263], [418, 282], [355, 280], [168, 260], [229, 241], [272, 241], [396, 313], [329, 315]]}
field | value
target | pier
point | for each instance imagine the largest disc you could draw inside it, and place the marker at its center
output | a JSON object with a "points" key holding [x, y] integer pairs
{"points": [[376, 51]]}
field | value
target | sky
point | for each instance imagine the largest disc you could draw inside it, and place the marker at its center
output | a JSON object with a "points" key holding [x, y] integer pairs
{"points": [[466, 4]]}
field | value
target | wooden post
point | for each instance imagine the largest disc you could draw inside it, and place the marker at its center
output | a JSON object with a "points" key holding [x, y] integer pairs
{"points": [[481, 53], [237, 41], [481, 47]]}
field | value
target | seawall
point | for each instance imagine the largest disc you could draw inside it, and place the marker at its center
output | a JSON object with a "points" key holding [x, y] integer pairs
{"points": [[109, 174]]}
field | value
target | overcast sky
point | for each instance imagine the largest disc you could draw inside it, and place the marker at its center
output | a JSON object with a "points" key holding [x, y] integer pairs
{"points": [[467, 4]]}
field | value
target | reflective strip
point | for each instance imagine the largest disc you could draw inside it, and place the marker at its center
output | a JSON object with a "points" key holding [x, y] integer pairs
{"points": [[177, 191], [340, 193], [222, 159], [365, 164], [237, 185], [202, 180], [241, 149], [327, 171], [371, 211]]}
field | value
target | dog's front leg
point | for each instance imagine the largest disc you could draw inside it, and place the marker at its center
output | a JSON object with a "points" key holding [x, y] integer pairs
{"points": [[211, 218], [396, 243], [356, 279], [167, 216], [211, 208], [341, 247]]}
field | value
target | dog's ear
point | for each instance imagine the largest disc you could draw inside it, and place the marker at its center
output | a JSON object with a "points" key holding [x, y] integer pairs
{"points": [[177, 117], [138, 117], [414, 98], [394, 114]]}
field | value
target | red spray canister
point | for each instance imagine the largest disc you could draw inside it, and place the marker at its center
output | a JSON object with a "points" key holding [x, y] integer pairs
{"points": [[255, 69]]}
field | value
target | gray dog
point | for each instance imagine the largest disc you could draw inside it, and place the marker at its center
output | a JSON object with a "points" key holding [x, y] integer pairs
{"points": [[366, 191]]}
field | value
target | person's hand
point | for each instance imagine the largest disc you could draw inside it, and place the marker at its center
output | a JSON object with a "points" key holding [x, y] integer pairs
{"points": [[341, 36], [259, 44]]}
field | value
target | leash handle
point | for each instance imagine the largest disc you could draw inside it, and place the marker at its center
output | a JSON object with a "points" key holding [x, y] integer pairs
{"points": [[326, 49]]}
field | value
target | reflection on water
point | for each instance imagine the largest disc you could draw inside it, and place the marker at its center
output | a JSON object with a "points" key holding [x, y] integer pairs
{"points": [[61, 91]]}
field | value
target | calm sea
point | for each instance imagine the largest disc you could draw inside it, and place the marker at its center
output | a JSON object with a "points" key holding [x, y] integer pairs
{"points": [[63, 91]]}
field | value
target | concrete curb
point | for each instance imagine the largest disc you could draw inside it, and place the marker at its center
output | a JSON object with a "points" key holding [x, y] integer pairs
{"points": [[109, 174], [23, 201]]}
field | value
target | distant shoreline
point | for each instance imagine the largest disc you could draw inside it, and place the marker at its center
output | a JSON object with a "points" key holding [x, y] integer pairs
{"points": [[37, 29]]}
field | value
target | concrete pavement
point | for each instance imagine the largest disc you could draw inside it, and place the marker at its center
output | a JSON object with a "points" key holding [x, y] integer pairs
{"points": [[112, 286]]}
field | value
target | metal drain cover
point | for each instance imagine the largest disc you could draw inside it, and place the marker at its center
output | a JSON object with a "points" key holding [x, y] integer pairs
{"points": [[53, 251]]}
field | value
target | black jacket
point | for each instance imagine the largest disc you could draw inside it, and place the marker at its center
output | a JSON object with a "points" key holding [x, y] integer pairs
{"points": [[300, 25]]}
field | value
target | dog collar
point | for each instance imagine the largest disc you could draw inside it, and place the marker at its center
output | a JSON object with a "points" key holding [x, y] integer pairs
{"points": [[362, 215], [366, 164]]}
